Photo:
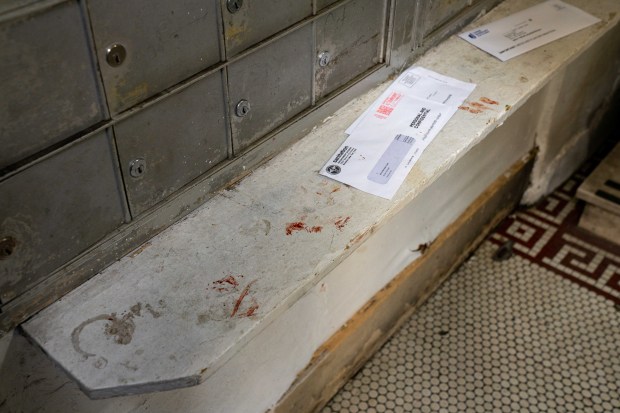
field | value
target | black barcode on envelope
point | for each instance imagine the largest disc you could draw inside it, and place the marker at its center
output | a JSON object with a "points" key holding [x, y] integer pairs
{"points": [[391, 159]]}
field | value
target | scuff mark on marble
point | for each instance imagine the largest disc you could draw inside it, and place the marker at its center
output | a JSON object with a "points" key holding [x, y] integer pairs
{"points": [[152, 311], [121, 328], [75, 334]]}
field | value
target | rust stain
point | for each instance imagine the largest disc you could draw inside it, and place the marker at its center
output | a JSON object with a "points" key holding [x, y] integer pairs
{"points": [[318, 228], [244, 293], [137, 93], [139, 250], [336, 189], [489, 101], [235, 31], [340, 223]]}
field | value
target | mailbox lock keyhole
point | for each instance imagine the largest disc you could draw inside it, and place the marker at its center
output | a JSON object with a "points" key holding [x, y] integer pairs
{"points": [[137, 168], [242, 108], [7, 247], [115, 55], [234, 6]]}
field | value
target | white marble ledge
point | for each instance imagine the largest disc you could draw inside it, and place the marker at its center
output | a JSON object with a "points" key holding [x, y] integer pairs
{"points": [[173, 312]]}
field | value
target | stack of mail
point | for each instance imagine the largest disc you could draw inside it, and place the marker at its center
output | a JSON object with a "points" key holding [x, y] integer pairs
{"points": [[390, 136]]}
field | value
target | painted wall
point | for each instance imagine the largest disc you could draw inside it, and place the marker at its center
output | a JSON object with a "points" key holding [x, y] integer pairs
{"points": [[576, 99]]}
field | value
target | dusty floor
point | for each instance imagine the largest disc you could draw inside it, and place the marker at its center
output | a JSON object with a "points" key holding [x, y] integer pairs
{"points": [[538, 331]]}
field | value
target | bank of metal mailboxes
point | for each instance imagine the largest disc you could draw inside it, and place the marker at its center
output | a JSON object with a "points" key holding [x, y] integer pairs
{"points": [[110, 110], [111, 107]]}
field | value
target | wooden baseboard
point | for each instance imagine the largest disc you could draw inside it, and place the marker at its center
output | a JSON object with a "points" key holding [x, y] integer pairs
{"points": [[349, 349]]}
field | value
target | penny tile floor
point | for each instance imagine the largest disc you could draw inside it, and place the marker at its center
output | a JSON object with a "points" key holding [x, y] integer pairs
{"points": [[538, 331]]}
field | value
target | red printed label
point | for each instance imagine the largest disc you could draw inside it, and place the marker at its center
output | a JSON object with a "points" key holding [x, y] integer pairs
{"points": [[387, 106]]}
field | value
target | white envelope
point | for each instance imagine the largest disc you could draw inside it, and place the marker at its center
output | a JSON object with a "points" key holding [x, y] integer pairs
{"points": [[386, 141], [529, 29]]}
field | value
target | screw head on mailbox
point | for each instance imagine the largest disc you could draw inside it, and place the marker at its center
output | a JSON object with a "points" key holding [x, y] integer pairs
{"points": [[324, 59], [137, 168], [115, 55], [234, 6], [242, 108]]}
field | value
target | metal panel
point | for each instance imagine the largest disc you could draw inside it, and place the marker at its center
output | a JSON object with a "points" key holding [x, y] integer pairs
{"points": [[321, 4], [56, 209], [48, 86], [256, 20], [348, 42], [276, 81], [164, 42], [173, 141], [439, 12]]}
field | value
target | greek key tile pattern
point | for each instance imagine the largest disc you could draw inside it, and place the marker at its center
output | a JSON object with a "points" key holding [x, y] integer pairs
{"points": [[503, 336], [547, 234]]}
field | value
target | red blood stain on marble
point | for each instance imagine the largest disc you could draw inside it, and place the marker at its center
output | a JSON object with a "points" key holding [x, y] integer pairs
{"points": [[300, 226], [295, 226], [489, 101], [340, 223], [228, 280], [251, 311], [478, 105], [244, 293], [470, 110], [226, 284]]}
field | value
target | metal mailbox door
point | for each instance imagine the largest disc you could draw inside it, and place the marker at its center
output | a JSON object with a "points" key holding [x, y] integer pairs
{"points": [[248, 22], [168, 144], [348, 42], [270, 86], [48, 82], [321, 4], [439, 12], [56, 209], [146, 46]]}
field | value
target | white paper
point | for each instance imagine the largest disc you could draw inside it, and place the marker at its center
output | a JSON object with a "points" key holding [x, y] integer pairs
{"points": [[529, 29], [389, 137], [422, 83]]}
